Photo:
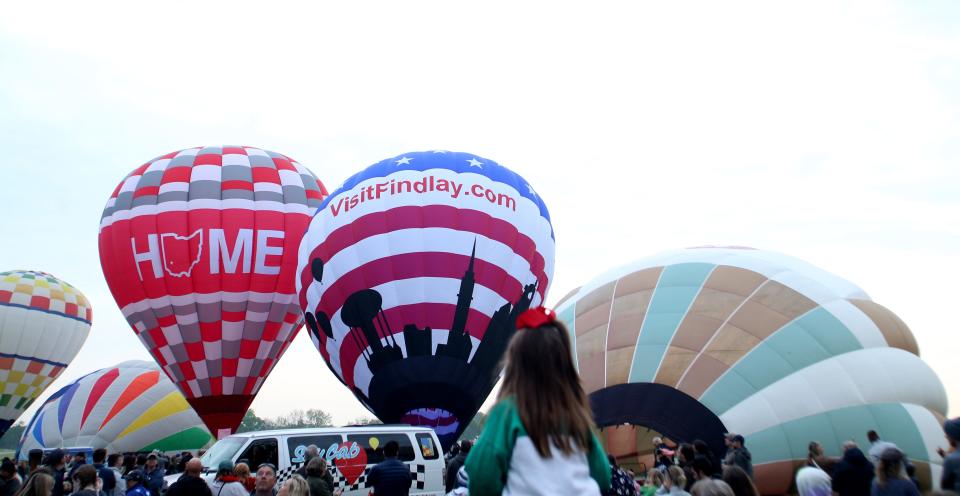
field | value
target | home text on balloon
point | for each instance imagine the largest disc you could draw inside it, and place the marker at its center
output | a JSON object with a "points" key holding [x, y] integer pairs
{"points": [[334, 452], [427, 184], [178, 255]]}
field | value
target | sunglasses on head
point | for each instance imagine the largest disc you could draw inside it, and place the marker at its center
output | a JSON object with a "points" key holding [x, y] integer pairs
{"points": [[268, 465]]}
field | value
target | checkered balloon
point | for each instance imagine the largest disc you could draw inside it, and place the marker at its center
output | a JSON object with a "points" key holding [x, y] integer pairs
{"points": [[43, 323], [199, 248]]}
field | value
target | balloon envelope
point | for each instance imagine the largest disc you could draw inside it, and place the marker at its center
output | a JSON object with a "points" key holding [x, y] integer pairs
{"points": [[43, 323], [697, 342], [129, 407], [411, 276], [199, 250]]}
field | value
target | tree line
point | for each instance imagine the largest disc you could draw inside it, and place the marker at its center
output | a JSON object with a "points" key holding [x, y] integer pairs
{"points": [[296, 419]]}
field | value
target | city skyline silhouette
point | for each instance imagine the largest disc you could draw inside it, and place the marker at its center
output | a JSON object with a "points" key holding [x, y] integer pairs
{"points": [[456, 378]]}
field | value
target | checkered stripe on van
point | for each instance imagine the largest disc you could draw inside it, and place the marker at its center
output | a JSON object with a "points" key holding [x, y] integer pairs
{"points": [[283, 475], [418, 473]]}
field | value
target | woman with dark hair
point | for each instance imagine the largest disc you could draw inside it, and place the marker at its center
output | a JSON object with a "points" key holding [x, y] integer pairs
{"points": [[129, 463], [538, 438], [700, 447], [686, 456], [739, 481], [85, 480], [891, 478]]}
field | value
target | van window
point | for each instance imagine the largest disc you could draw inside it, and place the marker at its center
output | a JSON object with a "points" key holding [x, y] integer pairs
{"points": [[427, 448], [373, 444], [298, 445], [224, 449], [259, 452]]}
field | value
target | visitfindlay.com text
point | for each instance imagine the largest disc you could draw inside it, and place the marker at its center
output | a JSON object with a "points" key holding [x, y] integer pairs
{"points": [[428, 184]]}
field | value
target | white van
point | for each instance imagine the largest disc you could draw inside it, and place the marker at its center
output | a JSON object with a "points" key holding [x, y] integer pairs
{"points": [[350, 453]]}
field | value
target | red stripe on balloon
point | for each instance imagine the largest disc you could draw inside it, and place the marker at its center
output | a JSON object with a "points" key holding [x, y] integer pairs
{"points": [[176, 175], [146, 191], [418, 264], [414, 217], [237, 184], [136, 387], [99, 387]]}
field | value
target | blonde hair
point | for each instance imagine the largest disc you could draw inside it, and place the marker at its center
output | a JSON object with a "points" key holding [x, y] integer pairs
{"points": [[711, 487], [297, 486], [39, 484], [676, 476], [656, 478]]}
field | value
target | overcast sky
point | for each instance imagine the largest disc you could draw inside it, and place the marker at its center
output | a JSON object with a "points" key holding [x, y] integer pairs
{"points": [[829, 131]]}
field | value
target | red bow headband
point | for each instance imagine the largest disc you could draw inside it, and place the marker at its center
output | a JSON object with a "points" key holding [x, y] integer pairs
{"points": [[536, 317]]}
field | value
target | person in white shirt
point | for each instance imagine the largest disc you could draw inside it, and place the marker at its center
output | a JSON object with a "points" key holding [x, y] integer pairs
{"points": [[877, 446]]}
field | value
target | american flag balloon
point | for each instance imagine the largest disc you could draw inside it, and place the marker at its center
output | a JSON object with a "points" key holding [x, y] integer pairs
{"points": [[411, 276], [199, 250]]}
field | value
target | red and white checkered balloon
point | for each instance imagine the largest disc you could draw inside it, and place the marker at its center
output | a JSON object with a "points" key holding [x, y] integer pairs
{"points": [[199, 248]]}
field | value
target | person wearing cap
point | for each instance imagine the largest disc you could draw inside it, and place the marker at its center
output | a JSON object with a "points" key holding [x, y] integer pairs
{"points": [[154, 475], [135, 480], [9, 481], [738, 454], [226, 484], [950, 480]]}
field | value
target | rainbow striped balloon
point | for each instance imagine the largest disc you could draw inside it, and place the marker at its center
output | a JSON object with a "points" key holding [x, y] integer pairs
{"points": [[129, 407]]}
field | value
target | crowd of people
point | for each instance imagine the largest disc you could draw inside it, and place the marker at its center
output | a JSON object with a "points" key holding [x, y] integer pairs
{"points": [[689, 469], [58, 473], [538, 440]]}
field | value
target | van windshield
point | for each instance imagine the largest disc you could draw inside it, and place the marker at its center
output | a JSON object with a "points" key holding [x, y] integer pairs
{"points": [[223, 449]]}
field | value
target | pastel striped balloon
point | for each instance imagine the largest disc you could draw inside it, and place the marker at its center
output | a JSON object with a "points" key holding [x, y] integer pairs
{"points": [[199, 248], [129, 407], [411, 275], [756, 343], [43, 323]]}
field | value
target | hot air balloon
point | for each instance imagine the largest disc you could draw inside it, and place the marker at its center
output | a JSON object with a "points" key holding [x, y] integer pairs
{"points": [[43, 323], [694, 343], [129, 407], [199, 250], [411, 276]]}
